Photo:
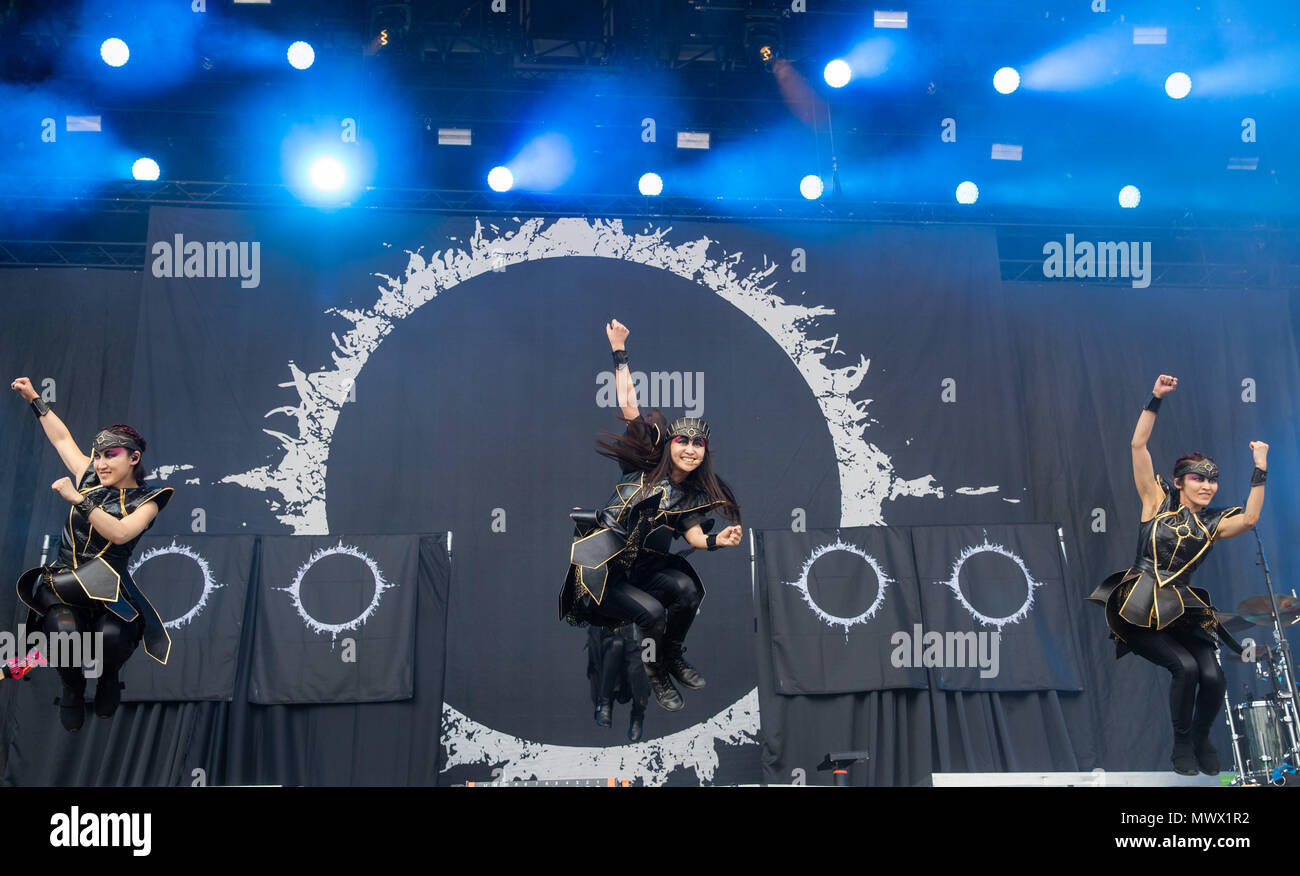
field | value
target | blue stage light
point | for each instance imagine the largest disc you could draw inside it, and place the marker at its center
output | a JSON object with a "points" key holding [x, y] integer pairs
{"points": [[837, 73], [1006, 80], [968, 193], [1178, 85], [114, 52], [811, 187], [327, 174], [650, 184], [145, 169], [500, 179], [1129, 197], [301, 55]]}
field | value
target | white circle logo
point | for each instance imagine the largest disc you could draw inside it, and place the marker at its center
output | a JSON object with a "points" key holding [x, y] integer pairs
{"points": [[209, 583], [835, 620], [295, 589], [987, 548]]}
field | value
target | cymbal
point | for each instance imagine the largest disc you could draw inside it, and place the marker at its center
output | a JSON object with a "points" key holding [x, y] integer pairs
{"points": [[1233, 623], [1257, 610]]}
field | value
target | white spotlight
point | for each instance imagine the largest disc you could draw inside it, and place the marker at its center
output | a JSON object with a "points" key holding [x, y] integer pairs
{"points": [[500, 179], [114, 52], [811, 187], [1129, 197], [837, 73], [968, 193], [301, 55], [145, 169], [650, 184], [1006, 80], [1178, 85]]}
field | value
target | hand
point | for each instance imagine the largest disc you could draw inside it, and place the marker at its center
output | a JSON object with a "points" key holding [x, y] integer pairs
{"points": [[617, 334], [729, 537], [1164, 385], [23, 387], [1260, 451], [64, 487]]}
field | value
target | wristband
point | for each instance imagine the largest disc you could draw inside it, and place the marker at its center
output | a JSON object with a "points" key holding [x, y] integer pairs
{"points": [[712, 541], [620, 359], [39, 407], [1154, 405], [1258, 476], [85, 506]]}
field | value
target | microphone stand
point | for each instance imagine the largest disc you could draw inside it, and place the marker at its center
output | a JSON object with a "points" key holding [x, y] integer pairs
{"points": [[1290, 697]]}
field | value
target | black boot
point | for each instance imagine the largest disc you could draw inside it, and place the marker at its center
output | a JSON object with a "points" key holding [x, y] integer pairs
{"points": [[1184, 757], [72, 702], [604, 713], [679, 669], [636, 726], [108, 695], [662, 687], [1207, 757]]}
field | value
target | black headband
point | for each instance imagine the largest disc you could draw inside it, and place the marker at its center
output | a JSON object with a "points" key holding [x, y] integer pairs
{"points": [[1203, 467], [106, 439]]}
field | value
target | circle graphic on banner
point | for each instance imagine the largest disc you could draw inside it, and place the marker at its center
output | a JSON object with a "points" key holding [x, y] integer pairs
{"points": [[882, 582], [295, 589], [210, 584], [954, 583], [867, 473]]}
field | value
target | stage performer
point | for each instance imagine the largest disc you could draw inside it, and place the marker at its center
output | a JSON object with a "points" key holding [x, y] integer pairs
{"points": [[89, 587], [621, 567], [1152, 609], [617, 675]]}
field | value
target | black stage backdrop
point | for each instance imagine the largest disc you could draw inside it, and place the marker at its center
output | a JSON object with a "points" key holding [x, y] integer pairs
{"points": [[358, 373]]}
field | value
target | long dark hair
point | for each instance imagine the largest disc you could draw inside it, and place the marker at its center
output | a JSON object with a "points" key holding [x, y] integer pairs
{"points": [[646, 448]]}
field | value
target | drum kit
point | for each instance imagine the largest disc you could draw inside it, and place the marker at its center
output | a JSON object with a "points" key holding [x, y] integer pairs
{"points": [[1265, 729]]}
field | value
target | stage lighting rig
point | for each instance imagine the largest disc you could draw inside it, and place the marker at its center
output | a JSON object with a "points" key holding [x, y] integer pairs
{"points": [[390, 25]]}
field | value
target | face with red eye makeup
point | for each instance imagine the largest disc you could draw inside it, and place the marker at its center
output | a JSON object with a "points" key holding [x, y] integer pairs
{"points": [[687, 454], [116, 466]]}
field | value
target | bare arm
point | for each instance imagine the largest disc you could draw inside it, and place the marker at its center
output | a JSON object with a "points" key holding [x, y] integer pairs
{"points": [[117, 530], [1240, 523], [617, 334], [695, 537], [57, 433], [1144, 472]]}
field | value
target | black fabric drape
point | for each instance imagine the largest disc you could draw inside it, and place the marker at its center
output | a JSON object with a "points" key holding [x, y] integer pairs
{"points": [[225, 743]]}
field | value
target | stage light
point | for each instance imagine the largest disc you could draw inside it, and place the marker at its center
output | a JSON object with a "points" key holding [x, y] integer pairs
{"points": [[327, 174], [1007, 152], [837, 73], [114, 52], [1129, 197], [968, 193], [145, 169], [500, 179], [455, 137], [1178, 85], [692, 139], [1006, 80], [890, 19], [811, 187], [650, 184], [301, 55]]}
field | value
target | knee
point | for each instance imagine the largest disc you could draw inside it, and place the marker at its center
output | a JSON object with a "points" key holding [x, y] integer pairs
{"points": [[119, 638], [1183, 668], [653, 620], [683, 587]]}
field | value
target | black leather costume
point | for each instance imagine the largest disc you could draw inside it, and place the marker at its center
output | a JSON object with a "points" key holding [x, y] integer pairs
{"points": [[92, 574], [627, 541], [1156, 591]]}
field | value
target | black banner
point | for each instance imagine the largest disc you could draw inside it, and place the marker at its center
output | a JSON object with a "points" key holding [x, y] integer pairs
{"points": [[199, 585], [335, 619], [836, 599]]}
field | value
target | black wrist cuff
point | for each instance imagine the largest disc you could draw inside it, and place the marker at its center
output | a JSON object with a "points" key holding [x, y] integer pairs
{"points": [[712, 540], [1258, 476], [85, 506], [1154, 405], [39, 407], [620, 358]]}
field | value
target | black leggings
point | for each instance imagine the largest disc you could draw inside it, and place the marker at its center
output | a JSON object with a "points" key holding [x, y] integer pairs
{"points": [[662, 604], [1196, 691], [119, 637]]}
